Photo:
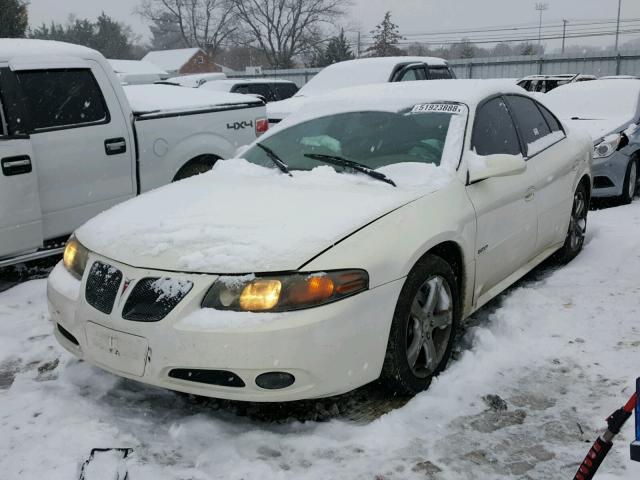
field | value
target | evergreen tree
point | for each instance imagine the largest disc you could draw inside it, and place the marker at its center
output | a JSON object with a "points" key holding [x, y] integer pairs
{"points": [[386, 37], [111, 38], [337, 50], [14, 18]]}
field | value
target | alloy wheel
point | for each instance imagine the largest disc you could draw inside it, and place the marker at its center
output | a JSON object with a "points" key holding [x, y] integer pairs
{"points": [[578, 224], [429, 326], [633, 179]]}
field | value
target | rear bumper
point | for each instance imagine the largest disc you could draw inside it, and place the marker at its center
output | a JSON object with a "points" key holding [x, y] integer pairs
{"points": [[329, 350]]}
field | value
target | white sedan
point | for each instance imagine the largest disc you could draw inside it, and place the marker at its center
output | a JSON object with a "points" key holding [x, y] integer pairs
{"points": [[346, 245]]}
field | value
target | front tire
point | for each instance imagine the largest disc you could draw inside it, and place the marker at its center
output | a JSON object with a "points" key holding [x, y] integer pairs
{"points": [[577, 226], [629, 187], [424, 326]]}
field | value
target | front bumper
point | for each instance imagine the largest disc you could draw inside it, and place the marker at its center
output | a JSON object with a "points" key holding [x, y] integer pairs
{"points": [[329, 350], [608, 175]]}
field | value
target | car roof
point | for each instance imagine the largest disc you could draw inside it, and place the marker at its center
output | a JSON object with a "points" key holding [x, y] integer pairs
{"points": [[393, 97], [19, 48]]}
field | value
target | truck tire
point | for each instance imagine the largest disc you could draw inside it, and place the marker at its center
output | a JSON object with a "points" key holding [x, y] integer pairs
{"points": [[196, 166]]}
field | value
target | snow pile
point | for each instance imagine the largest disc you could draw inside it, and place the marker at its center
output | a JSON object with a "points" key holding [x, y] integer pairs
{"points": [[560, 348], [170, 98], [243, 218]]}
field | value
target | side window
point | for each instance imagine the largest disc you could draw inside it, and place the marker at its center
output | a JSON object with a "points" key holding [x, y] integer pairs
{"points": [[262, 90], [533, 126], [413, 74], [439, 73], [284, 90], [552, 121], [494, 131], [244, 89], [62, 98]]}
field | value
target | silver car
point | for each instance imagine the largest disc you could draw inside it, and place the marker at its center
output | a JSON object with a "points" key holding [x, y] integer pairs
{"points": [[609, 111]]}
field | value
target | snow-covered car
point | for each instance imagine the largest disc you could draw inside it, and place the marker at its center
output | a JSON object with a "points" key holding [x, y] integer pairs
{"points": [[74, 142], [546, 83], [194, 80], [269, 89], [609, 110], [359, 72], [344, 246]]}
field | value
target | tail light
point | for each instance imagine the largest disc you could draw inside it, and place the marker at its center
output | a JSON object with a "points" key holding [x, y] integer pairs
{"points": [[262, 125]]}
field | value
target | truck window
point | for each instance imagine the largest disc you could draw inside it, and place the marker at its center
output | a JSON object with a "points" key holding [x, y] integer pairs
{"points": [[262, 90], [282, 91], [439, 73], [59, 99]]}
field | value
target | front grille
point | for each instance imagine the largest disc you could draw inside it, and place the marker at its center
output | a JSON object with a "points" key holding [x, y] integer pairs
{"points": [[103, 284], [153, 298], [602, 182], [222, 378]]}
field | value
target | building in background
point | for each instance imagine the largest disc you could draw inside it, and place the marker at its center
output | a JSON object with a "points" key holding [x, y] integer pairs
{"points": [[183, 61]]}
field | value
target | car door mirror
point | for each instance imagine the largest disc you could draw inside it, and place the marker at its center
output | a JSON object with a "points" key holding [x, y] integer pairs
{"points": [[499, 165]]}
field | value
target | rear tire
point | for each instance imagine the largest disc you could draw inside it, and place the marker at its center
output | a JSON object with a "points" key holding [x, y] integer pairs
{"points": [[196, 166], [577, 226], [629, 188], [424, 327]]}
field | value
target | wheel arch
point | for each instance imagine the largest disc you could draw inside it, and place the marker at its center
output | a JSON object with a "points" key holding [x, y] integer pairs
{"points": [[586, 182], [208, 159], [452, 253]]}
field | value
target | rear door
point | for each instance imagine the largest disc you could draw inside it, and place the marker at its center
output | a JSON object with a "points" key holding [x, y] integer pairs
{"points": [[20, 219], [507, 218], [80, 137], [554, 160]]}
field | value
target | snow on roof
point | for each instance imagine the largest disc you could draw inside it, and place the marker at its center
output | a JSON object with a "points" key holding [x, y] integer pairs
{"points": [[169, 98], [230, 82], [136, 67], [10, 48], [393, 97], [171, 60], [362, 71], [196, 79], [602, 105]]}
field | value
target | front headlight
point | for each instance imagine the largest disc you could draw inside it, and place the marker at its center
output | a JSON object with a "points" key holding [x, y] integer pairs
{"points": [[75, 257], [607, 147], [283, 293]]}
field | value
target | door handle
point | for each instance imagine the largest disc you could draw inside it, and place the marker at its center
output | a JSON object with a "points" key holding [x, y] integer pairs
{"points": [[531, 192], [115, 146], [18, 165]]}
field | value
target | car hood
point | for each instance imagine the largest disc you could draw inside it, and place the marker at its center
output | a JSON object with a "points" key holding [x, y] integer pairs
{"points": [[243, 218], [284, 108], [597, 128]]}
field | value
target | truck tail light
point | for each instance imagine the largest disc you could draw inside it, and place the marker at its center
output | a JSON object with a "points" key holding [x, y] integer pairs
{"points": [[262, 125]]}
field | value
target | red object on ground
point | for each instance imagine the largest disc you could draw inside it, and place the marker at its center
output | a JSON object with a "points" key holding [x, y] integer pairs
{"points": [[604, 442]]}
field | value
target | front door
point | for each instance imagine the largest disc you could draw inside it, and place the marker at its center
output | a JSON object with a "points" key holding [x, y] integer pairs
{"points": [[81, 139], [506, 212]]}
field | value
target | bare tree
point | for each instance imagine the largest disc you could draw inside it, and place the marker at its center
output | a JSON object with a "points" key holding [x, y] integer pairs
{"points": [[207, 24], [285, 28]]}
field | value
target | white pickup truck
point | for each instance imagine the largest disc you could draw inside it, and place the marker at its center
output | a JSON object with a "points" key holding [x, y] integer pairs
{"points": [[73, 142]]}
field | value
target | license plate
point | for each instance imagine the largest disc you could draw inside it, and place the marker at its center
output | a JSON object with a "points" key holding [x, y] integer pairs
{"points": [[116, 350]]}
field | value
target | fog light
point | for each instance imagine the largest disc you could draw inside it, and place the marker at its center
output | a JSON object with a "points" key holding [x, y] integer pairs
{"points": [[275, 380]]}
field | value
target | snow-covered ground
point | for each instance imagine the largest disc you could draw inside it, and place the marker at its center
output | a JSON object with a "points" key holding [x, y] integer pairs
{"points": [[561, 348]]}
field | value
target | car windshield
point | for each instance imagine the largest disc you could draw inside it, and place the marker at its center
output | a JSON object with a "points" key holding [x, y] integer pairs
{"points": [[374, 139]]}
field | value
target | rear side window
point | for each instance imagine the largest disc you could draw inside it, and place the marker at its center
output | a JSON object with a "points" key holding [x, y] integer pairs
{"points": [[62, 98], [261, 89], [494, 131], [413, 74], [282, 91], [439, 73], [552, 121], [533, 126]]}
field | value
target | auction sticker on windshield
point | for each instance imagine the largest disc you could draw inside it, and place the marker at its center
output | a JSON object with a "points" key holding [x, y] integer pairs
{"points": [[438, 108]]}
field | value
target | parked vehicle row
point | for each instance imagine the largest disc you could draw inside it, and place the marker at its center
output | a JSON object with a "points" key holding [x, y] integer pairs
{"points": [[269, 279], [73, 143]]}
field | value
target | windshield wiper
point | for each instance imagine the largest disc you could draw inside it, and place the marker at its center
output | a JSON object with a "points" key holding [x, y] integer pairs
{"points": [[343, 162], [275, 159]]}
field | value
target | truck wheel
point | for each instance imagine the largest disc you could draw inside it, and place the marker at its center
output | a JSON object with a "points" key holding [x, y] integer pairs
{"points": [[629, 187], [196, 166], [424, 326]]}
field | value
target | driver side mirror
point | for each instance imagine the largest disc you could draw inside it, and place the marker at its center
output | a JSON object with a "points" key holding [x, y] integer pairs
{"points": [[499, 165]]}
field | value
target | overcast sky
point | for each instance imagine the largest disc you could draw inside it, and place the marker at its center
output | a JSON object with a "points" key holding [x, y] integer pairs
{"points": [[413, 16]]}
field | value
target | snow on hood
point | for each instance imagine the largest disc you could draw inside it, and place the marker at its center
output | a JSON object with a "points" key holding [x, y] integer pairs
{"points": [[153, 98], [599, 107], [242, 218], [283, 108]]}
